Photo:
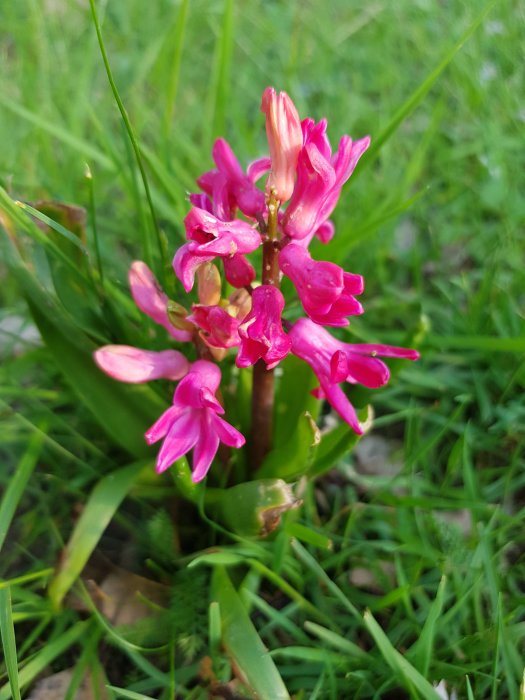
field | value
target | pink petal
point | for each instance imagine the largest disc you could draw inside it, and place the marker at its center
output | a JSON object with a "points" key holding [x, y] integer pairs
{"points": [[151, 300], [227, 433], [283, 129], [238, 271], [182, 436], [135, 366], [161, 427], [205, 448]]}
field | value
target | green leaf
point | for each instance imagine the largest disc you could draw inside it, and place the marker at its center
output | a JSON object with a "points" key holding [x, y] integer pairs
{"points": [[102, 505], [337, 443], [306, 534], [397, 662], [7, 634], [424, 645], [242, 643], [49, 652], [18, 482]]}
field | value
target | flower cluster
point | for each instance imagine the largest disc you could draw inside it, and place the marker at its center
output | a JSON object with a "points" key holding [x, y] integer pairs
{"points": [[231, 218]]}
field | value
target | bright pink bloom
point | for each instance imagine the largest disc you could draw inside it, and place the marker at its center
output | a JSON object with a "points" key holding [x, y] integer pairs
{"points": [[210, 238], [193, 422], [285, 138], [136, 366], [238, 271], [218, 328], [320, 177], [261, 332], [150, 299], [326, 291], [334, 361], [228, 186]]}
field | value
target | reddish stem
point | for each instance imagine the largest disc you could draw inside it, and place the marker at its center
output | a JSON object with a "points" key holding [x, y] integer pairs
{"points": [[263, 379]]}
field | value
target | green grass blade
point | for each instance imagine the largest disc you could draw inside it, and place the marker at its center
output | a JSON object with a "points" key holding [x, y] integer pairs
{"points": [[177, 40], [128, 694], [76, 143], [7, 633], [220, 81], [46, 656], [243, 644], [397, 662], [18, 482], [148, 253], [425, 642], [415, 98], [96, 516]]}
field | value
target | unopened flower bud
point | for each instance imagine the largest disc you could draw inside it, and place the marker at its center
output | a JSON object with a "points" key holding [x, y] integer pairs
{"points": [[177, 316], [209, 284]]}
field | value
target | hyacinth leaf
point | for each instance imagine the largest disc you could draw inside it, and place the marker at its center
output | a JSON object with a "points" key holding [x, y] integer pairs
{"points": [[99, 510], [254, 509], [49, 652], [397, 661], [7, 635], [249, 657], [335, 444], [295, 457], [293, 398]]}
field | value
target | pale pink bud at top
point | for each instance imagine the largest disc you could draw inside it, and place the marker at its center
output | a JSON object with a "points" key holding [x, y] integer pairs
{"points": [[285, 139], [135, 366], [261, 332], [326, 290], [334, 361], [151, 300], [193, 422], [208, 284]]}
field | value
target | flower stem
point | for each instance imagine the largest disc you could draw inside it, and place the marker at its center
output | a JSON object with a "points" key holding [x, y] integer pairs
{"points": [[263, 379]]}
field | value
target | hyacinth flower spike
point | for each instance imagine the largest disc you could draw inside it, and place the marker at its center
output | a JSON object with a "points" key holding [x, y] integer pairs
{"points": [[334, 361], [194, 422]]}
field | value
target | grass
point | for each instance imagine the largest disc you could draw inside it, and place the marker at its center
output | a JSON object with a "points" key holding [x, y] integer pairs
{"points": [[382, 584]]}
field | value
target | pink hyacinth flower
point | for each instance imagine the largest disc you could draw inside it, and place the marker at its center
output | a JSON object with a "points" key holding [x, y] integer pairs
{"points": [[241, 187], [320, 177], [219, 329], [151, 300], [261, 332], [238, 271], [193, 422], [285, 138], [211, 238], [334, 361], [326, 291], [135, 366]]}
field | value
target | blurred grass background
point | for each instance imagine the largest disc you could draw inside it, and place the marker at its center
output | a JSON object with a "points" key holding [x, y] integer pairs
{"points": [[435, 223]]}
